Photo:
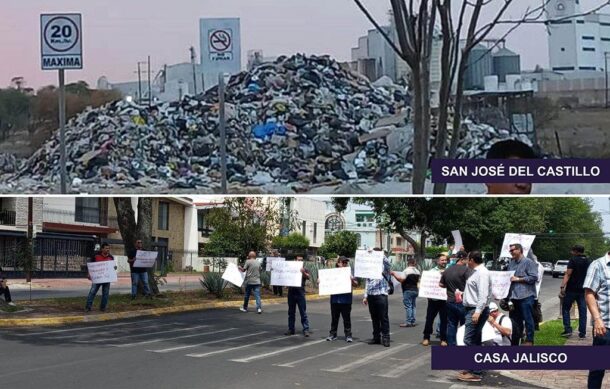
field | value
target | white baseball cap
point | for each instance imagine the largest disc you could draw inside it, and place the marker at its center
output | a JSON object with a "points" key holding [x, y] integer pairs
{"points": [[493, 306]]}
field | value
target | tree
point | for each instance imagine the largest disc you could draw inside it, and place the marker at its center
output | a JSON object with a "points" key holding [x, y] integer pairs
{"points": [[341, 243], [132, 230], [293, 241], [244, 224]]}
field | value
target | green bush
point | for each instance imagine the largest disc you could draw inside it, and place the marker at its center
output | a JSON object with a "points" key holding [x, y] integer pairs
{"points": [[294, 241], [433, 251], [213, 283]]}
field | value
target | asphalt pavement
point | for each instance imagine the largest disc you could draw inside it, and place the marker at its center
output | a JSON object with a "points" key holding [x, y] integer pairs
{"points": [[231, 349]]}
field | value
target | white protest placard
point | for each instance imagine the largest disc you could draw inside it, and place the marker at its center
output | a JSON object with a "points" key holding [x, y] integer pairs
{"points": [[270, 260], [233, 275], [368, 264], [428, 286], [102, 272], [61, 41], [540, 276], [500, 283], [335, 281], [145, 258], [287, 273], [457, 238], [488, 332], [459, 336], [525, 241]]}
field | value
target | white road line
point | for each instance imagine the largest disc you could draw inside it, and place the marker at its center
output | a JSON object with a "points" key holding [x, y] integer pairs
{"points": [[83, 328], [369, 358], [166, 339], [139, 335], [417, 362], [110, 332], [226, 350], [272, 353], [294, 363], [167, 350]]}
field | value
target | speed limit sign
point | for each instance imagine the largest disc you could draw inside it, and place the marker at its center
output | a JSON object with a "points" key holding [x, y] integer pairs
{"points": [[61, 39]]}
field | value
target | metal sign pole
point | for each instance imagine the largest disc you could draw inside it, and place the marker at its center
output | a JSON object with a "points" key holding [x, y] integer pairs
{"points": [[62, 128], [222, 126]]}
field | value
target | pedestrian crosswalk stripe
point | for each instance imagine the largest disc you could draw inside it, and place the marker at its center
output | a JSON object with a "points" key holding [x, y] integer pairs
{"points": [[109, 332], [167, 350], [369, 358], [175, 337], [281, 351], [336, 350], [144, 334], [235, 348], [83, 328], [416, 362]]}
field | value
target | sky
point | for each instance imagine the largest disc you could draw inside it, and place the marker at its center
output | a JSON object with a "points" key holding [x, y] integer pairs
{"points": [[118, 34]]}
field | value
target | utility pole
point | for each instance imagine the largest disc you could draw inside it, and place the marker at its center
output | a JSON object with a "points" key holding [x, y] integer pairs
{"points": [[149, 85], [139, 83], [62, 130], [30, 238], [223, 135], [194, 70]]}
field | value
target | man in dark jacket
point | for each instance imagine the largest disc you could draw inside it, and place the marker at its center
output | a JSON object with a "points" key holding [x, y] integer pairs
{"points": [[341, 305], [572, 290], [138, 273], [296, 298], [5, 290]]}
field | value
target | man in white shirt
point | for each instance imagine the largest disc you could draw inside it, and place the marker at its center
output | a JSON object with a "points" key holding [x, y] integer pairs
{"points": [[501, 325]]}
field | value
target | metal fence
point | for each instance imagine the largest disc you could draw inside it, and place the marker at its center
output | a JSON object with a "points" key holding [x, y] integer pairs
{"points": [[8, 218]]}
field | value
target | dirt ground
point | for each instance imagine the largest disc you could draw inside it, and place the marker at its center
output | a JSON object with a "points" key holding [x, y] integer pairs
{"points": [[583, 133]]}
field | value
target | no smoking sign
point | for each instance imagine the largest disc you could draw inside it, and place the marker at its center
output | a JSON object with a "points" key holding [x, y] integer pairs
{"points": [[61, 41], [221, 44]]}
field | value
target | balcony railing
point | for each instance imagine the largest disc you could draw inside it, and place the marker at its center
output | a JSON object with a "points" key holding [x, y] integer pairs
{"points": [[8, 218]]}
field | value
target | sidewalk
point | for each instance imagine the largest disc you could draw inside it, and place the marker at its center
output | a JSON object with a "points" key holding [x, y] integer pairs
{"points": [[124, 279]]}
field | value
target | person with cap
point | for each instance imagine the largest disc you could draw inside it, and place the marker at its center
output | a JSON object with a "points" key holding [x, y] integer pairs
{"points": [[376, 297], [572, 291], [252, 268], [138, 274], [296, 298], [597, 296], [409, 280], [341, 306], [477, 296], [436, 307], [454, 280], [501, 325]]}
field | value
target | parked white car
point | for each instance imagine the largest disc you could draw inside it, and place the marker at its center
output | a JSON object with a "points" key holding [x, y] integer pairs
{"points": [[560, 268]]}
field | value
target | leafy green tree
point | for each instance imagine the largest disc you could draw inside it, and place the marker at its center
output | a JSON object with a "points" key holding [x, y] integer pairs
{"points": [[293, 241], [341, 243]]}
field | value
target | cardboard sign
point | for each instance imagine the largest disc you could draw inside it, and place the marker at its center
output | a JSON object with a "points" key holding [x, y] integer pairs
{"points": [[145, 258], [335, 281], [102, 272], [540, 276], [428, 286], [500, 283], [369, 264], [457, 238], [270, 260], [287, 273], [525, 241], [459, 336], [233, 275]]}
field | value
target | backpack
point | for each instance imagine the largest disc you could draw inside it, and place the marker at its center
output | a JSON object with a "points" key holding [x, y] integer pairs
{"points": [[512, 322]]}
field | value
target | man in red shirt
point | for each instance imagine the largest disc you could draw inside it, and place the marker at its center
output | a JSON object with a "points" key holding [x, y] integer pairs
{"points": [[103, 255]]}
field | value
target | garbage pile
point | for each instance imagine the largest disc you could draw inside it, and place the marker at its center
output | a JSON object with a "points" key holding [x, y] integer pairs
{"points": [[479, 138], [301, 119]]}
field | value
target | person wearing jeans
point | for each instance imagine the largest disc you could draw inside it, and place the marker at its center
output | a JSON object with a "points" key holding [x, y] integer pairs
{"points": [[522, 293], [103, 255], [409, 279], [597, 296], [572, 291], [138, 274], [296, 298], [252, 268], [454, 280]]}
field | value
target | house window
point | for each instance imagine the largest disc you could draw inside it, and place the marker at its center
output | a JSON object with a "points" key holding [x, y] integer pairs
{"points": [[91, 210], [359, 240], [398, 242], [163, 222], [334, 223], [588, 38], [588, 49], [315, 232], [304, 230], [365, 217]]}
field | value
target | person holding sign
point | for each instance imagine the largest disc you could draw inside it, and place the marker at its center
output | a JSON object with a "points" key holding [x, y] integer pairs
{"points": [[278, 290], [376, 297], [296, 298], [409, 279], [341, 305], [138, 274], [522, 293], [103, 255], [252, 268]]}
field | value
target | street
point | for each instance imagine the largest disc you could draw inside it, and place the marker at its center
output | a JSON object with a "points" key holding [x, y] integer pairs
{"points": [[232, 349]]}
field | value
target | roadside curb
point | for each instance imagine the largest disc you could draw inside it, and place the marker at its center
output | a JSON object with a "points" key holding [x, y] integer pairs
{"points": [[72, 319]]}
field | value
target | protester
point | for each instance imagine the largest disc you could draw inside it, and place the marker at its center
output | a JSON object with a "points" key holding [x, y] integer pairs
{"points": [[103, 255], [4, 289], [341, 306], [597, 296], [477, 296], [522, 294], [510, 149], [138, 273], [572, 290], [436, 307], [252, 268], [502, 326], [296, 297], [409, 281], [278, 290], [376, 297], [454, 279]]}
